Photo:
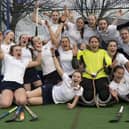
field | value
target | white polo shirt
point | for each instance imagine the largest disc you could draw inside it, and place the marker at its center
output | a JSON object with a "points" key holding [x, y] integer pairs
{"points": [[14, 69], [47, 63], [121, 59], [64, 92], [122, 88], [66, 60]]}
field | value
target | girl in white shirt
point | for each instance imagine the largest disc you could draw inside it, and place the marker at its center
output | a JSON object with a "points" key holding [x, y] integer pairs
{"points": [[66, 55], [63, 92], [31, 75], [12, 84], [117, 57], [119, 86]]}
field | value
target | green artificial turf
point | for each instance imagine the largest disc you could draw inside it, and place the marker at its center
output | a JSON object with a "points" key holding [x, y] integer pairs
{"points": [[59, 117]]}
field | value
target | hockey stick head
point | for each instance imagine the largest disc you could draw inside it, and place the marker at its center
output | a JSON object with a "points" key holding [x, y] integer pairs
{"points": [[118, 115], [34, 118]]}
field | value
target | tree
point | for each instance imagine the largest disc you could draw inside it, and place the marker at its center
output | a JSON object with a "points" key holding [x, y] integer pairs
{"points": [[14, 10], [98, 7]]}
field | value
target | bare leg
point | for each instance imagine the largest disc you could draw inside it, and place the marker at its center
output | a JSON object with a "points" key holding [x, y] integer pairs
{"points": [[37, 83], [20, 96], [35, 101], [27, 87], [34, 93], [6, 98]]}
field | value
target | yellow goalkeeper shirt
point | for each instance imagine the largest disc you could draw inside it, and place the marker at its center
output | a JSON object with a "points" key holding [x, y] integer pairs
{"points": [[94, 61]]}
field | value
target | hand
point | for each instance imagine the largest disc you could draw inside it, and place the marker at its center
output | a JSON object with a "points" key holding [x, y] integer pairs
{"points": [[36, 4], [47, 24], [70, 106], [114, 94], [114, 63], [119, 13]]}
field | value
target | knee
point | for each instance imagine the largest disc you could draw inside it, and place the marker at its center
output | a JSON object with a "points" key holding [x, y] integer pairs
{"points": [[21, 101], [5, 104]]}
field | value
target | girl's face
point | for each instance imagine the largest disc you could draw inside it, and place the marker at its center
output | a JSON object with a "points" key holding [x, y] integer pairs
{"points": [[65, 43], [24, 40], [80, 24], [82, 46], [55, 16], [37, 43], [118, 75], [76, 78], [124, 35], [94, 44], [112, 48], [17, 52], [92, 21], [11, 36], [103, 25]]}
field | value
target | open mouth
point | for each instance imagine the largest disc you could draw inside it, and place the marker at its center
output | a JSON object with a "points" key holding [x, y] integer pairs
{"points": [[19, 55]]}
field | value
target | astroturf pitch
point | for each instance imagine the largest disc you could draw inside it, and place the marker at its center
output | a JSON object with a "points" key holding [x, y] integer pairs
{"points": [[59, 117]]}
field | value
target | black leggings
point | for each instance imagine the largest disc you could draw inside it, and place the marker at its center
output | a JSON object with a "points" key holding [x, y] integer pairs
{"points": [[101, 87]]}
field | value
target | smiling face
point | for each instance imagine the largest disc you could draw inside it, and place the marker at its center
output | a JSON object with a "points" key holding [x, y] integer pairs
{"points": [[112, 48], [16, 51], [23, 40], [55, 16], [65, 43], [80, 23], [37, 43], [76, 78], [118, 74], [103, 25], [92, 21], [94, 43], [124, 33]]}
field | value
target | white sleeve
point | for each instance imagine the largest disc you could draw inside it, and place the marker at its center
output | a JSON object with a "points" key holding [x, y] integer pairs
{"points": [[113, 86], [65, 77], [112, 27], [43, 22], [79, 92], [122, 59]]}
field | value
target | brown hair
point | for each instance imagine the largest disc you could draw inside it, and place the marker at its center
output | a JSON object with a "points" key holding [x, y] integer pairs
{"points": [[12, 48]]}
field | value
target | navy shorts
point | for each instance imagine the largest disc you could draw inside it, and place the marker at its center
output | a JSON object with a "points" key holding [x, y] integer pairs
{"points": [[47, 94], [52, 78], [31, 75], [11, 85]]}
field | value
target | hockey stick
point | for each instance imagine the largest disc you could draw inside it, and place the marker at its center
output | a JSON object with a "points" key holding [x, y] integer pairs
{"points": [[37, 13], [34, 117], [118, 115], [8, 112], [14, 118]]}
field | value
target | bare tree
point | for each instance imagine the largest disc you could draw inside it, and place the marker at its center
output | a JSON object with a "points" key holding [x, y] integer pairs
{"points": [[98, 7], [18, 9]]}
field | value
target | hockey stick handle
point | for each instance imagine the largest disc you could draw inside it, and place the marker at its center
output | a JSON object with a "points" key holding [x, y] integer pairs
{"points": [[7, 113], [33, 115]]}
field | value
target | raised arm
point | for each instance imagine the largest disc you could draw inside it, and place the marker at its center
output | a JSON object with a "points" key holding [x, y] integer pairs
{"points": [[54, 38], [37, 61], [56, 62], [35, 16], [119, 13], [1, 53]]}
